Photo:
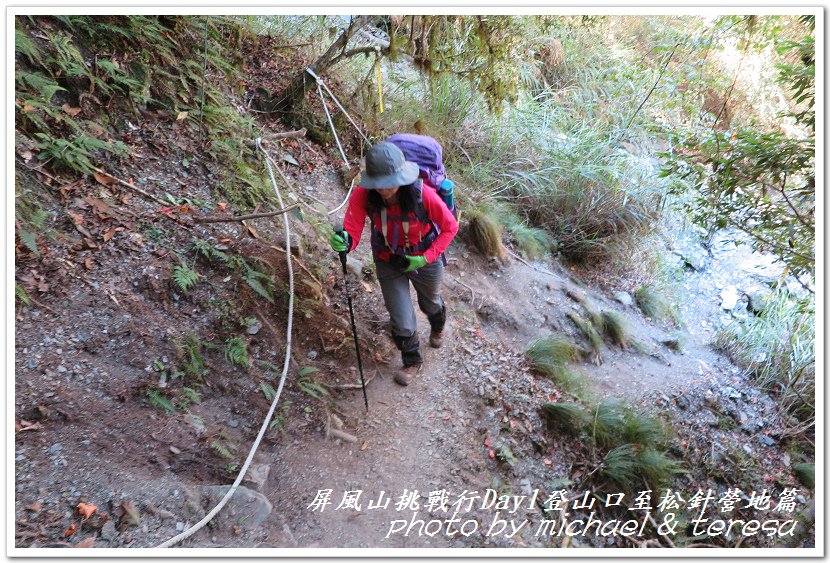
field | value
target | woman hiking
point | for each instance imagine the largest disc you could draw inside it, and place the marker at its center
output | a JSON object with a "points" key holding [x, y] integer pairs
{"points": [[411, 227]]}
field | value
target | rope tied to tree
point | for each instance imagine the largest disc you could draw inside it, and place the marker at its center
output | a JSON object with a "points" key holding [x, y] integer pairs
{"points": [[337, 102]]}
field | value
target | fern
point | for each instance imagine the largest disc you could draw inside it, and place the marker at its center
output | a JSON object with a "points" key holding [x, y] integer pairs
{"points": [[236, 351], [234, 262], [192, 395], [184, 277], [160, 401], [204, 248], [278, 423], [21, 294], [505, 454], [252, 278], [41, 85], [29, 239], [26, 47], [267, 391], [310, 387], [193, 348], [221, 450]]}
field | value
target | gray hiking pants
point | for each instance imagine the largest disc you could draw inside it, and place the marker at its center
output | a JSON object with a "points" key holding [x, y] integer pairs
{"points": [[395, 287]]}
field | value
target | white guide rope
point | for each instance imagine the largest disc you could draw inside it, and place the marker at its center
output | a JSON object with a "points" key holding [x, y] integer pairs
{"points": [[333, 130], [339, 105], [269, 162], [199, 525]]}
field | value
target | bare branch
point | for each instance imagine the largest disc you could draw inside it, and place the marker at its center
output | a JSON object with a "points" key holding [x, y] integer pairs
{"points": [[240, 218], [769, 243], [357, 51], [654, 87]]}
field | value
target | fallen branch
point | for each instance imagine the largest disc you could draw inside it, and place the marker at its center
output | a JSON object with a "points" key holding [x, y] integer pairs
{"points": [[39, 304], [529, 265], [39, 170], [240, 218], [345, 436], [307, 144], [349, 386], [668, 539], [286, 135], [276, 136], [132, 187], [472, 291], [328, 350]]}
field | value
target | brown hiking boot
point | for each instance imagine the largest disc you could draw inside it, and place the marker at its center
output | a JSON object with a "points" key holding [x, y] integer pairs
{"points": [[436, 339], [406, 374]]}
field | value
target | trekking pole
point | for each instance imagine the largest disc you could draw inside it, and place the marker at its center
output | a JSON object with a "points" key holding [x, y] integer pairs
{"points": [[339, 230]]}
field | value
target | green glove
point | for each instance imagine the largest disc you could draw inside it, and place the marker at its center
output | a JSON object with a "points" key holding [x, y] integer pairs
{"points": [[415, 262], [338, 243]]}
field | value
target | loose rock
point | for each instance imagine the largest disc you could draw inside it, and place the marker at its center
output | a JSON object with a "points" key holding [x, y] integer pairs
{"points": [[624, 298], [251, 505], [729, 298]]}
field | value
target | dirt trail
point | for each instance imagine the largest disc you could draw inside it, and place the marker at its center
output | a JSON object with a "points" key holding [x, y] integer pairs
{"points": [[412, 439]]}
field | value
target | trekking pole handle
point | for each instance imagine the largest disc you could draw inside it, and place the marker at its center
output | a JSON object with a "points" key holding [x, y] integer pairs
{"points": [[338, 228]]}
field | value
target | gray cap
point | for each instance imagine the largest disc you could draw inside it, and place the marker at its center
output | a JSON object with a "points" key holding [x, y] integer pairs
{"points": [[386, 168]]}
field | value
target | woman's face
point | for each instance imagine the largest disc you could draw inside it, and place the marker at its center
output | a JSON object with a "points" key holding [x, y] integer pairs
{"points": [[388, 195]]}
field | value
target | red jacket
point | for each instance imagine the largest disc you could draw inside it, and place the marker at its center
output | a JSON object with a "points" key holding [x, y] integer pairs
{"points": [[435, 209]]}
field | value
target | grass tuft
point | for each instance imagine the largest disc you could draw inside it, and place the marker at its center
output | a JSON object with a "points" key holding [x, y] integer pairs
{"points": [[656, 468], [484, 233], [550, 356], [620, 465], [591, 333], [652, 303], [532, 242], [806, 473], [616, 328], [597, 320], [607, 421], [569, 416], [552, 350], [642, 429]]}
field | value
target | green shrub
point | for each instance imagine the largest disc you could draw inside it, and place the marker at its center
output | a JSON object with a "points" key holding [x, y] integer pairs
{"points": [[777, 348]]}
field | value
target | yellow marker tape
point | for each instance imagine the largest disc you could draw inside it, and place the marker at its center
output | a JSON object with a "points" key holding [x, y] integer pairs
{"points": [[380, 88]]}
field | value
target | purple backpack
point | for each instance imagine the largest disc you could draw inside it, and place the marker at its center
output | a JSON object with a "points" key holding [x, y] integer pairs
{"points": [[424, 151]]}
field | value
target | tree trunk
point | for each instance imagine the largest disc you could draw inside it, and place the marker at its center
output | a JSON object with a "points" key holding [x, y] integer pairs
{"points": [[296, 90]]}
